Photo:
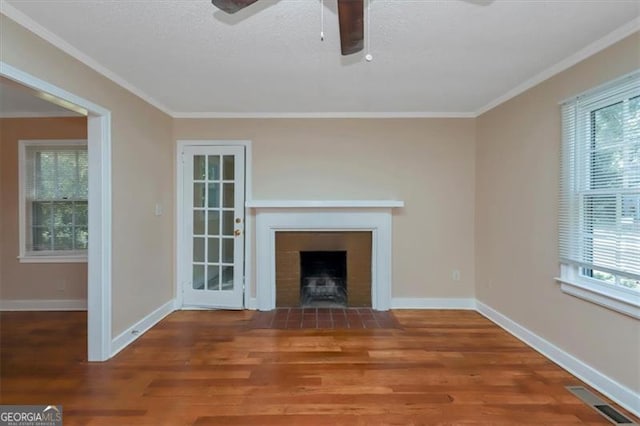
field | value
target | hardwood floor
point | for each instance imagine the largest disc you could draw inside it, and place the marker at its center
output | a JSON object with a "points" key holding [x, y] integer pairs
{"points": [[211, 368]]}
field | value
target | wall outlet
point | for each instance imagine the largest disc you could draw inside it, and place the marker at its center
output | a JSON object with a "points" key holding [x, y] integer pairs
{"points": [[455, 275]]}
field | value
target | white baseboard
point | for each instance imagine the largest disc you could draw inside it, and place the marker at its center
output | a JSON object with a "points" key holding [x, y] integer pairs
{"points": [[619, 393], [44, 305], [177, 304], [432, 303], [138, 329]]}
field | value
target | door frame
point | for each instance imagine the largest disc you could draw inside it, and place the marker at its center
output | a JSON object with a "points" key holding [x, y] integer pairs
{"points": [[99, 252], [179, 214]]}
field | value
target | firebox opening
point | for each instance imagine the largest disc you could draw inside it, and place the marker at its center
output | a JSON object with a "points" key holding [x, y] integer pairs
{"points": [[323, 278]]}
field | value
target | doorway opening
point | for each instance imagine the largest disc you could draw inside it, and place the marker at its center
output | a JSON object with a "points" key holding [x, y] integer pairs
{"points": [[99, 202]]}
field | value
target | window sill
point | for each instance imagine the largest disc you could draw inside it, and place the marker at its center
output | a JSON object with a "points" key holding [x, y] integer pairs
{"points": [[624, 303], [53, 259]]}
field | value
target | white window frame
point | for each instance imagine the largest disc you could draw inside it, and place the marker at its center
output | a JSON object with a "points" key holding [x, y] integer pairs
{"points": [[571, 280], [35, 257]]}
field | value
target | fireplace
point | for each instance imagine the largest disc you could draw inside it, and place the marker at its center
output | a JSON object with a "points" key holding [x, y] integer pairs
{"points": [[323, 279], [323, 268], [274, 218]]}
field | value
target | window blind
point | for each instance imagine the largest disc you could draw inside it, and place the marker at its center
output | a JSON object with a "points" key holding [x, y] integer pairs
{"points": [[599, 214], [56, 190], [56, 173]]}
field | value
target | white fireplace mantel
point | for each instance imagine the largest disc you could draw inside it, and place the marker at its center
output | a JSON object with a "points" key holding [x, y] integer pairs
{"points": [[324, 204], [324, 216]]}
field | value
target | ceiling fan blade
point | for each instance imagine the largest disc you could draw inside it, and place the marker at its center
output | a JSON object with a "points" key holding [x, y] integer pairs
{"points": [[232, 6], [351, 17]]}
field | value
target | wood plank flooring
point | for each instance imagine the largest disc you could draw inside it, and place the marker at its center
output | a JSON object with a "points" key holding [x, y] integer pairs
{"points": [[212, 368]]}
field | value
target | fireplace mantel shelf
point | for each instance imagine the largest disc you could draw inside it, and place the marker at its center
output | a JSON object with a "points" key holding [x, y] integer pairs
{"points": [[295, 204]]}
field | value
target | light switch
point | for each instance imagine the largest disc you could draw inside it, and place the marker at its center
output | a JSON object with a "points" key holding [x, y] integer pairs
{"points": [[158, 209]]}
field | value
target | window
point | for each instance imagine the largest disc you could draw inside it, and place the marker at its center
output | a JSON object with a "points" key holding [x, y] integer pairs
{"points": [[600, 196], [53, 201]]}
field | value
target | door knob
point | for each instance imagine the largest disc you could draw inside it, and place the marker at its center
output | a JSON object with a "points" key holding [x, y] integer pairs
{"points": [[237, 232]]}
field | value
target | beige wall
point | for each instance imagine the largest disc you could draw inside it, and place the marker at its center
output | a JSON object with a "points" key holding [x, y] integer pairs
{"points": [[506, 180], [428, 163], [2, 214], [518, 150], [142, 164], [47, 281]]}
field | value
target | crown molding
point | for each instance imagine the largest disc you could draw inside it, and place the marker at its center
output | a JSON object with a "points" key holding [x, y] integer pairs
{"points": [[52, 114], [408, 114], [28, 23], [20, 18], [593, 48]]}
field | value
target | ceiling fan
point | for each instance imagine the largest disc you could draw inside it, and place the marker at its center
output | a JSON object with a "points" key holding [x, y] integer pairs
{"points": [[350, 17]]}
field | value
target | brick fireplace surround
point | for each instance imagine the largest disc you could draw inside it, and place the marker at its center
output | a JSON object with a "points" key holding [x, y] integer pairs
{"points": [[274, 217], [357, 244]]}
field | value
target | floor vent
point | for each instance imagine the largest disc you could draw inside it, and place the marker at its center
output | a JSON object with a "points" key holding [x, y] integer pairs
{"points": [[606, 410]]}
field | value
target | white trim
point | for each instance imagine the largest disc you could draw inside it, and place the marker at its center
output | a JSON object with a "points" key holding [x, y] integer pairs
{"points": [[248, 229], [252, 304], [596, 93], [44, 305], [99, 151], [575, 171], [433, 303], [177, 305], [180, 246], [48, 90], [25, 21], [595, 47], [590, 50], [40, 257], [53, 142], [100, 249], [125, 338], [324, 204], [52, 259], [619, 393], [342, 114], [376, 220], [28, 23], [204, 308], [600, 295], [48, 114]]}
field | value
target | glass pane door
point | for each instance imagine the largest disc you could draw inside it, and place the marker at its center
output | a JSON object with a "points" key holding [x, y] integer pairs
{"points": [[215, 195]]}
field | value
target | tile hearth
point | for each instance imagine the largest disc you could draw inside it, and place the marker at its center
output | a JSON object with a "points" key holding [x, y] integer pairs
{"points": [[323, 318]]}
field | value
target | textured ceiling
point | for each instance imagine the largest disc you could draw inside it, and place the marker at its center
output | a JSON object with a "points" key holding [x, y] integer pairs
{"points": [[429, 57]]}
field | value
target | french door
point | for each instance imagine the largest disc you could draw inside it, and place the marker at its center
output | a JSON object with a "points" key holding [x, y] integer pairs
{"points": [[213, 226]]}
